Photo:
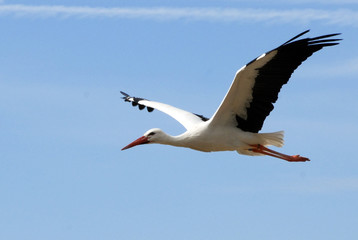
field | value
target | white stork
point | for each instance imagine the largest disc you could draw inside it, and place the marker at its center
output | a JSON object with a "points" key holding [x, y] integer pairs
{"points": [[240, 116]]}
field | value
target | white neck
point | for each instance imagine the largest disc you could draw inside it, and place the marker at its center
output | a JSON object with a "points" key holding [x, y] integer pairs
{"points": [[178, 141]]}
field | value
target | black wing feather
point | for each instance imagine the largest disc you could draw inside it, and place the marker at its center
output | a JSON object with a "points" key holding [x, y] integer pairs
{"points": [[134, 101], [275, 74]]}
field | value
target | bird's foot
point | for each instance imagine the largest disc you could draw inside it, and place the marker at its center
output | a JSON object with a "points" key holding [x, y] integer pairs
{"points": [[297, 158]]}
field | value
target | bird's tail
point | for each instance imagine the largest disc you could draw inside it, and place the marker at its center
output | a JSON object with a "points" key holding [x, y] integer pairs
{"points": [[275, 138]]}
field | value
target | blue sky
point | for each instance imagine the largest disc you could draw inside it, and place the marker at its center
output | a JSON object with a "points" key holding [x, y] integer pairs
{"points": [[63, 122]]}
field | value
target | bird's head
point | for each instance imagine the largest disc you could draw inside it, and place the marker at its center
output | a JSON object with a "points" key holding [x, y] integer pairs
{"points": [[154, 135]]}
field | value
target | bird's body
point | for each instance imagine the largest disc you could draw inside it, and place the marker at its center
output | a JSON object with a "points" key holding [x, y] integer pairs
{"points": [[236, 124], [207, 139]]}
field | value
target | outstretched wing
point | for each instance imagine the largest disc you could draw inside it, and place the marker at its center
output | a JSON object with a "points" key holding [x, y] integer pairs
{"points": [[187, 119], [256, 85]]}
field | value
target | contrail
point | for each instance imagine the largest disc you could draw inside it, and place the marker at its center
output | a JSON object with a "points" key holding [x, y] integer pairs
{"points": [[335, 17]]}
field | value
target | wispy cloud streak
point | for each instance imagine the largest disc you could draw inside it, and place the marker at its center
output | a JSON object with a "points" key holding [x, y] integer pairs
{"points": [[340, 17]]}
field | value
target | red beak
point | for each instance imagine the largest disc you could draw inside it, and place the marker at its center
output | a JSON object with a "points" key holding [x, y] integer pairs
{"points": [[141, 140]]}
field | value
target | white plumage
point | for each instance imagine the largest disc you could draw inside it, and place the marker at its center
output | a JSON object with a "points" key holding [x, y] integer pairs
{"points": [[240, 116]]}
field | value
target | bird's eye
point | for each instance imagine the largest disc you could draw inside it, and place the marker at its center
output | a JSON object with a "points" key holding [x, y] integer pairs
{"points": [[151, 133]]}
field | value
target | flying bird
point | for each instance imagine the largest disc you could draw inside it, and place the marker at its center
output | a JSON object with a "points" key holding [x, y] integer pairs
{"points": [[236, 123]]}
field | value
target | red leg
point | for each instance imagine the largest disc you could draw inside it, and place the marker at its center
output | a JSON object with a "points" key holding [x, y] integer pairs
{"points": [[264, 150]]}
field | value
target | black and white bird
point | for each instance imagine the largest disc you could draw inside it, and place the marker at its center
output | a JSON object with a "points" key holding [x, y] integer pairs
{"points": [[236, 123]]}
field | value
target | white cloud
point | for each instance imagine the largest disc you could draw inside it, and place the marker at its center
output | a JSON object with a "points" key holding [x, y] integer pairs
{"points": [[340, 17]]}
